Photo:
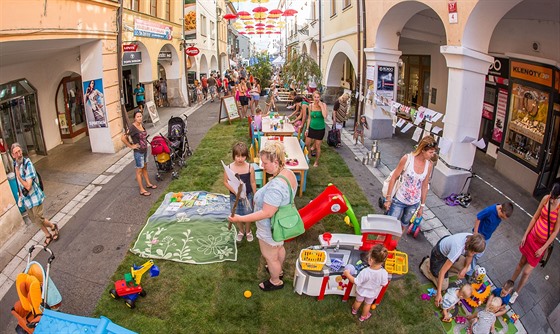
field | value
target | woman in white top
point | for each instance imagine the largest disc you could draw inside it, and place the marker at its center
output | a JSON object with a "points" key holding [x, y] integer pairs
{"points": [[415, 179]]}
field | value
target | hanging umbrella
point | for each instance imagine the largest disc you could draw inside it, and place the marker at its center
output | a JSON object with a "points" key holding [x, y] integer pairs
{"points": [[249, 22], [290, 12], [251, 32], [243, 13], [260, 32], [242, 32], [248, 26], [259, 25], [270, 26], [275, 12], [238, 1], [277, 32], [230, 16], [246, 18], [260, 1], [274, 17], [260, 9], [269, 32], [259, 28]]}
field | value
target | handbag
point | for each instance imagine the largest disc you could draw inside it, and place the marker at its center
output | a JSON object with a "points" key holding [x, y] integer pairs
{"points": [[548, 251], [332, 138], [286, 222], [398, 181]]}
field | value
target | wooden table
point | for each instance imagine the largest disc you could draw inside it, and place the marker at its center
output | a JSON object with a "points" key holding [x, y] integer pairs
{"points": [[293, 151], [268, 129]]}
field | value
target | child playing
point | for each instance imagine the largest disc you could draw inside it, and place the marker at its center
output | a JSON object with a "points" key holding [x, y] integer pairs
{"points": [[246, 174], [504, 293], [359, 130], [483, 322], [369, 281], [270, 104], [452, 297], [257, 120]]}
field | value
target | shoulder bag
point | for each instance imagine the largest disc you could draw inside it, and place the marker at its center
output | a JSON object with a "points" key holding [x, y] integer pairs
{"points": [[398, 181], [548, 251], [286, 222]]}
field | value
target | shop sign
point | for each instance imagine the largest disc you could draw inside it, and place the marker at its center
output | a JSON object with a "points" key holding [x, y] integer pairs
{"points": [[452, 9], [143, 28], [192, 51], [498, 131], [132, 58], [533, 73], [189, 13], [130, 47], [165, 55], [499, 68]]}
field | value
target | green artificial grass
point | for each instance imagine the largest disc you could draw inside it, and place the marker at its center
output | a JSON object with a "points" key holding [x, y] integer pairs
{"points": [[187, 298]]}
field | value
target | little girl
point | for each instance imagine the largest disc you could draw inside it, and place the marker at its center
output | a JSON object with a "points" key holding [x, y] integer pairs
{"points": [[199, 92], [369, 281], [359, 130], [483, 321], [246, 173], [257, 120]]}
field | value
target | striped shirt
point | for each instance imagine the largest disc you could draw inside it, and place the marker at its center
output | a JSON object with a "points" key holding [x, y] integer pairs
{"points": [[35, 196], [541, 226]]}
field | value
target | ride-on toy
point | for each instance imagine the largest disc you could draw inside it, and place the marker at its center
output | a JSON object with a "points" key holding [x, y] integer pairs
{"points": [[129, 288], [414, 226]]}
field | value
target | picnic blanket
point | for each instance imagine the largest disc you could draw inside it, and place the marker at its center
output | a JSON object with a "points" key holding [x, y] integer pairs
{"points": [[189, 227]]}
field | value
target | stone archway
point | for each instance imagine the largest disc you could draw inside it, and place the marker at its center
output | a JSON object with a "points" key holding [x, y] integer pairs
{"points": [[303, 48], [313, 51], [203, 67], [172, 74], [213, 64], [340, 72]]}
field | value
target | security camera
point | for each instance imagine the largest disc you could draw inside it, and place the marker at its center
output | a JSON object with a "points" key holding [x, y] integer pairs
{"points": [[536, 46]]}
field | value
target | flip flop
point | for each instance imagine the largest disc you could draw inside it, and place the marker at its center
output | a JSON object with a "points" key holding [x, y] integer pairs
{"points": [[145, 193], [48, 240], [54, 230], [152, 186], [268, 286]]}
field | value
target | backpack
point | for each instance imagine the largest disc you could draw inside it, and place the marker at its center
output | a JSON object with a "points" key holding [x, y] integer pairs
{"points": [[38, 179]]}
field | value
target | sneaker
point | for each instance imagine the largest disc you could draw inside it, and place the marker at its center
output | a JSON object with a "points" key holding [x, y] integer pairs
{"points": [[362, 318], [513, 297], [354, 312], [239, 236], [249, 236]]}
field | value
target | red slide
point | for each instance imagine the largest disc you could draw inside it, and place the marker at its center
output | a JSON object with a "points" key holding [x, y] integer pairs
{"points": [[328, 202]]}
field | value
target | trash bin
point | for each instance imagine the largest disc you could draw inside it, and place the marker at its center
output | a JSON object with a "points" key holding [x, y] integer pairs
{"points": [[13, 185]]}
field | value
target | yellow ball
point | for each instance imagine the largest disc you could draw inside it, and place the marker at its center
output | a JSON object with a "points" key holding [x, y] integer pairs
{"points": [[247, 294]]}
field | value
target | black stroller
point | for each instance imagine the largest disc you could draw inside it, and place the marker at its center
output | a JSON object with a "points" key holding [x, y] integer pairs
{"points": [[178, 141]]}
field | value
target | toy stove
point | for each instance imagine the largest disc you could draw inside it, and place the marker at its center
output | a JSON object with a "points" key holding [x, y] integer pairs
{"points": [[321, 274]]}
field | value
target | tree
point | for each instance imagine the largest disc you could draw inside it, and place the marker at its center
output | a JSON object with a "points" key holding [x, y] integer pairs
{"points": [[262, 70], [300, 69]]}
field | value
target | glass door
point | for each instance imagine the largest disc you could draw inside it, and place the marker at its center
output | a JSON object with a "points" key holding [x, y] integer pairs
{"points": [[70, 107], [550, 170], [20, 123]]}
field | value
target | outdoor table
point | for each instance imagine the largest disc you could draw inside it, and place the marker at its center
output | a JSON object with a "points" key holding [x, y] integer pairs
{"points": [[268, 128], [293, 152]]}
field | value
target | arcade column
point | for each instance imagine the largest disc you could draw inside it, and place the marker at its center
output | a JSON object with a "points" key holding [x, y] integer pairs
{"points": [[381, 76], [465, 95]]}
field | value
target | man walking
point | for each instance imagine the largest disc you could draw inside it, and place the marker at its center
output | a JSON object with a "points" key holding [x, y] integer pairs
{"points": [[204, 81], [31, 194], [163, 92], [212, 87]]}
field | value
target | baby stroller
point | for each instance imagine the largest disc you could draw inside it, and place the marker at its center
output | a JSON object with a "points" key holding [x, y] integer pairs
{"points": [[163, 157], [177, 135], [34, 294]]}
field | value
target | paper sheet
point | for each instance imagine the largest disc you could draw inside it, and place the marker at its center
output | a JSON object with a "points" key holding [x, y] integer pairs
{"points": [[436, 130], [233, 181], [400, 122], [419, 118], [417, 134], [406, 127], [428, 127], [444, 145], [481, 144], [468, 139], [436, 116]]}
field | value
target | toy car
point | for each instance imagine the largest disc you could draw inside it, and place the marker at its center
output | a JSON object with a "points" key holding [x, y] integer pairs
{"points": [[129, 288], [414, 227]]}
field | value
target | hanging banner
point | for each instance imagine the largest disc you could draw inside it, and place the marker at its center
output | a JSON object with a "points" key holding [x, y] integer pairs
{"points": [[189, 12], [94, 102], [143, 28], [501, 108]]}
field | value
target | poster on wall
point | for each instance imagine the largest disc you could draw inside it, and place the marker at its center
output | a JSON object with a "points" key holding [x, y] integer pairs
{"points": [[487, 111], [189, 11], [94, 101], [498, 132], [386, 81], [144, 28]]}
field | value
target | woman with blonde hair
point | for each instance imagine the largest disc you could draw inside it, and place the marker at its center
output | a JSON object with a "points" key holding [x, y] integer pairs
{"points": [[416, 168], [279, 191], [316, 125]]}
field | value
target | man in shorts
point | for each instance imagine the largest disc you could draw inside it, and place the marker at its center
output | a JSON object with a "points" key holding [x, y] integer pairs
{"points": [[212, 87], [31, 194], [204, 82]]}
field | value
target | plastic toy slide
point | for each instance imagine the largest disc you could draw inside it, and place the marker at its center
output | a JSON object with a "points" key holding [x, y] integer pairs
{"points": [[62, 323]]}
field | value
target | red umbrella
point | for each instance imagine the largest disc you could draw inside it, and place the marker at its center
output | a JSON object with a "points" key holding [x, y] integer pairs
{"points": [[277, 32], [249, 26], [259, 28], [270, 26], [230, 16], [242, 32], [251, 32], [275, 12], [260, 9], [290, 12], [269, 32], [260, 32], [243, 13], [259, 25], [260, 18]]}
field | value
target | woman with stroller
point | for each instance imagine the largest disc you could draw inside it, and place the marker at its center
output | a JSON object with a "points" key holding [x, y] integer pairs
{"points": [[137, 139]]}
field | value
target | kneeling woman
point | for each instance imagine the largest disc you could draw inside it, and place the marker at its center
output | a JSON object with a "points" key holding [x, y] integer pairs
{"points": [[266, 202]]}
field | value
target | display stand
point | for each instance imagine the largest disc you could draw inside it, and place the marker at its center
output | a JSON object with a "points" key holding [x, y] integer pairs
{"points": [[228, 109], [152, 111]]}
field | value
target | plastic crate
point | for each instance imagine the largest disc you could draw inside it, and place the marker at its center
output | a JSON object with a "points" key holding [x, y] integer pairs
{"points": [[397, 263], [312, 260]]}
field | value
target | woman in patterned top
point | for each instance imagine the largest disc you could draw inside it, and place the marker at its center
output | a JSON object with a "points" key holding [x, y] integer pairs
{"points": [[540, 233], [416, 168]]}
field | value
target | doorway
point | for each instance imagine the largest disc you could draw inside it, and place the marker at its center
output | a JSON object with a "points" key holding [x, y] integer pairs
{"points": [[414, 81], [70, 107], [19, 117], [551, 166]]}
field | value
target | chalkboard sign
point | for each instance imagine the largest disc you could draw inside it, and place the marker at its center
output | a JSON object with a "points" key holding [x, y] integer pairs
{"points": [[228, 108], [152, 111]]}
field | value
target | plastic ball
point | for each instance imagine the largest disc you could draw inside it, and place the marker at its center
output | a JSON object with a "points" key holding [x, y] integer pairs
{"points": [[247, 294]]}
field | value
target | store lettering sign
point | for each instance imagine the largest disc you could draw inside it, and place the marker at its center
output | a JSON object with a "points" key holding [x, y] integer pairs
{"points": [[499, 68], [130, 47], [192, 51], [132, 58], [532, 73], [165, 55], [143, 28]]}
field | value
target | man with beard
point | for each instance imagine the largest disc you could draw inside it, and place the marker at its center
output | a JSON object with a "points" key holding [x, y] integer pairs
{"points": [[31, 194]]}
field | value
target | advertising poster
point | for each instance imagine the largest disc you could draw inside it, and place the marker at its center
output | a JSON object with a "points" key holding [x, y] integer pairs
{"points": [[143, 28], [94, 101], [487, 111], [386, 81], [189, 11], [498, 132]]}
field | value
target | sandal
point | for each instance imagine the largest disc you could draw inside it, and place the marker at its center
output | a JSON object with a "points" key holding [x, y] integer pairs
{"points": [[281, 274], [54, 230], [48, 240], [145, 193], [362, 318], [268, 286], [152, 186]]}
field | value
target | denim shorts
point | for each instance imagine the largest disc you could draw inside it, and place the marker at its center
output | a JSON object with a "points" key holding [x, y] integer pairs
{"points": [[244, 206], [401, 211], [140, 159]]}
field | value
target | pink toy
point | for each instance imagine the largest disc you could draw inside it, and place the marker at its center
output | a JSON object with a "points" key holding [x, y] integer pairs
{"points": [[426, 296], [460, 320]]}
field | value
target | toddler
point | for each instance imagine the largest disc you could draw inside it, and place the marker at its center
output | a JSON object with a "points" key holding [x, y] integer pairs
{"points": [[452, 297], [257, 120], [483, 322], [369, 281], [505, 294], [246, 174], [359, 130], [270, 104]]}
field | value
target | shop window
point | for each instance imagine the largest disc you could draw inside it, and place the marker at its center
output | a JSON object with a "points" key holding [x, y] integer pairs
{"points": [[414, 81], [153, 7], [212, 28]]}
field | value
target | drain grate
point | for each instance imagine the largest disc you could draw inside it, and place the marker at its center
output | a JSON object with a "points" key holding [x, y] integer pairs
{"points": [[98, 249]]}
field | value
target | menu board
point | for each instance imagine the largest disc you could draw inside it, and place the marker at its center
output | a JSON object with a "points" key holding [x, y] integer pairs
{"points": [[228, 109]]}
